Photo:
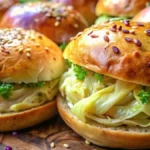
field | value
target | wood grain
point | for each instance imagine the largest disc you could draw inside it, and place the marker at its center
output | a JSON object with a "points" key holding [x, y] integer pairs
{"points": [[40, 137]]}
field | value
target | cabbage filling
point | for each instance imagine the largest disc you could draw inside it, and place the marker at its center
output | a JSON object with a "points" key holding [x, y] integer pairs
{"points": [[104, 99], [18, 97]]}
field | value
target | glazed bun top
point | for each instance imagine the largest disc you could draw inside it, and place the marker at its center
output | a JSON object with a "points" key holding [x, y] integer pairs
{"points": [[85, 7], [5, 5], [55, 20], [143, 16], [127, 8], [116, 49], [28, 56]]}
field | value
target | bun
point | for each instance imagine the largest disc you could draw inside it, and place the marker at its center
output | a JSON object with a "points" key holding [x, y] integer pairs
{"points": [[115, 137], [28, 56], [5, 5], [116, 49], [85, 7], [127, 8], [55, 20], [13, 121], [143, 15]]}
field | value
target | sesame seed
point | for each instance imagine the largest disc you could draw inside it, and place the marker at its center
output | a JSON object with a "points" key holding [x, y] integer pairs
{"points": [[57, 23], [90, 32], [20, 50], [76, 25], [37, 45], [125, 31], [46, 48], [58, 18], [47, 14], [52, 145], [106, 38], [114, 26], [36, 20], [69, 8], [136, 54], [127, 22], [94, 36], [147, 32], [107, 32], [28, 50], [134, 27], [128, 39], [28, 54], [140, 24], [87, 142], [40, 36], [137, 42], [116, 50], [132, 31], [113, 29], [66, 145]]}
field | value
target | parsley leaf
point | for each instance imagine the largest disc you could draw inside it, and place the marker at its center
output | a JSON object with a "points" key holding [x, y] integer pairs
{"points": [[80, 73], [25, 1], [69, 63], [144, 96], [63, 46], [34, 85], [99, 77], [6, 90]]}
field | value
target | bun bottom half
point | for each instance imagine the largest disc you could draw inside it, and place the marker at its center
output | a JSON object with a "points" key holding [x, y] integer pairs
{"points": [[115, 137], [27, 118]]}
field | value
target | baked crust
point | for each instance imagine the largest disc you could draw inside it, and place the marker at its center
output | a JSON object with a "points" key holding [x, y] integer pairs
{"points": [[55, 20], [117, 137], [85, 7], [5, 5], [143, 16], [116, 49], [28, 56], [27, 118], [127, 8]]}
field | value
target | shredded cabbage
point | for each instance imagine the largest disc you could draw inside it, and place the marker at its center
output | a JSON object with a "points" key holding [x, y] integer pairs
{"points": [[111, 102]]}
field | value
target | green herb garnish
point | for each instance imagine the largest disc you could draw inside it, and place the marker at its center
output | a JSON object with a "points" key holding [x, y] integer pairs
{"points": [[99, 77], [26, 1], [6, 90], [69, 63], [144, 96], [80, 73], [63, 46], [34, 85]]}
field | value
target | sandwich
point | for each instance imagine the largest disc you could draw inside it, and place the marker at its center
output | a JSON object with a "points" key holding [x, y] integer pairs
{"points": [[105, 93], [55, 20], [30, 68], [118, 9]]}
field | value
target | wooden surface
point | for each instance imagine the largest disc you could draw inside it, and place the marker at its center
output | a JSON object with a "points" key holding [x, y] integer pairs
{"points": [[40, 137]]}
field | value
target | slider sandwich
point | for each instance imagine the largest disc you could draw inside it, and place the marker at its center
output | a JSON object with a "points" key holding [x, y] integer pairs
{"points": [[55, 20], [30, 69], [105, 94], [118, 9]]}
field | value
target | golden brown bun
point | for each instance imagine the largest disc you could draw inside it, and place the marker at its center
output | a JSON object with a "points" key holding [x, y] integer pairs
{"points": [[143, 16], [114, 49], [85, 7], [28, 56], [127, 8], [27, 118], [5, 5], [55, 20], [114, 137]]}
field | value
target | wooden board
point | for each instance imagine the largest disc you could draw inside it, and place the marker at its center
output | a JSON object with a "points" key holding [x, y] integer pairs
{"points": [[40, 137]]}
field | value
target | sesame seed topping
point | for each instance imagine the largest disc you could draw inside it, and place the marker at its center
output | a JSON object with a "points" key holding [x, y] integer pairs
{"points": [[36, 20], [140, 24], [87, 142], [107, 32], [76, 25], [113, 29], [40, 36], [132, 31], [114, 26], [106, 38], [20, 50], [52, 145], [137, 42], [94, 36], [28, 54], [125, 31], [57, 23], [116, 50], [127, 22], [90, 32], [66, 145], [46, 48], [147, 32], [37, 45], [134, 27], [136, 54], [128, 39], [28, 50]]}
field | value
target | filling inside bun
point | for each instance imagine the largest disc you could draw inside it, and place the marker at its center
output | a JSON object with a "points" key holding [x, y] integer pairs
{"points": [[104, 99], [18, 97]]}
